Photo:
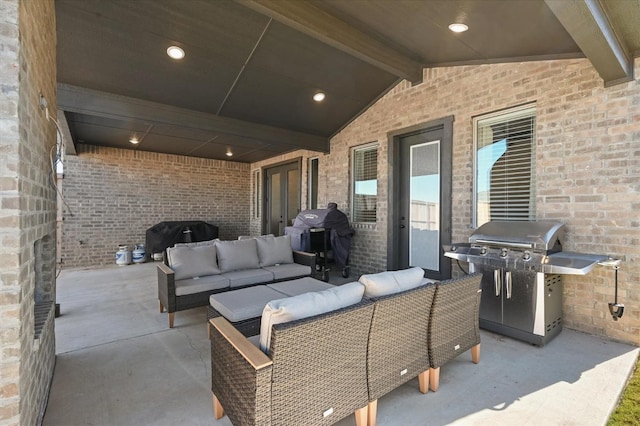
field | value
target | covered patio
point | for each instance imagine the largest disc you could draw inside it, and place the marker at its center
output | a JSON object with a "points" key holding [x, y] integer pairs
{"points": [[117, 363], [283, 106]]}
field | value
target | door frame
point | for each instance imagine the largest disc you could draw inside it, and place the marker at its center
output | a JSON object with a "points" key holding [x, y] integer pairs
{"points": [[265, 189], [393, 200]]}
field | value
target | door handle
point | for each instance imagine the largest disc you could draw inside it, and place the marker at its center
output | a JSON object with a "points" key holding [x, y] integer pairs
{"points": [[497, 281], [508, 281], [401, 226]]}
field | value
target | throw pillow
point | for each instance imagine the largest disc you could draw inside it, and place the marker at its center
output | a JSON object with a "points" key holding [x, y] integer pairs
{"points": [[190, 262], [390, 282], [238, 254], [274, 250], [306, 305]]}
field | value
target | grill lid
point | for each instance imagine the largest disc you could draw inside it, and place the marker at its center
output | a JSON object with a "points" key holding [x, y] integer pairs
{"points": [[544, 236]]}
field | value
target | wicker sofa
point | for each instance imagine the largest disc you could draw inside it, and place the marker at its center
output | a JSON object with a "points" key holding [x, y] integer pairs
{"points": [[192, 272], [314, 357]]}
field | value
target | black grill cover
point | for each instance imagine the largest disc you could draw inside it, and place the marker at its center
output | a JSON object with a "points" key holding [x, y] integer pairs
{"points": [[166, 234], [331, 219]]}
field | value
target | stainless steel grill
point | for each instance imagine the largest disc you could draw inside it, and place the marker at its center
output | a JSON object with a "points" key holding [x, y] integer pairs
{"points": [[522, 264]]}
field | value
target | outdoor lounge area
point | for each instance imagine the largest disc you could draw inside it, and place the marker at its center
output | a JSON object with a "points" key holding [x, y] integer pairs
{"points": [[118, 364], [451, 137]]}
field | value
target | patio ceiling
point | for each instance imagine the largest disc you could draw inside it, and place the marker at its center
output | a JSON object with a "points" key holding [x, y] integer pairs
{"points": [[251, 67]]}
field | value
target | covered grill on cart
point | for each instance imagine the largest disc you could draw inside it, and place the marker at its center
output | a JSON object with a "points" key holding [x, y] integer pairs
{"points": [[325, 232]]}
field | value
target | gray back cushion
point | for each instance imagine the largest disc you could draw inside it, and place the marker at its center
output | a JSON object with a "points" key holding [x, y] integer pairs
{"points": [[190, 262], [306, 305], [197, 244], [246, 237], [390, 282], [238, 254], [274, 250]]}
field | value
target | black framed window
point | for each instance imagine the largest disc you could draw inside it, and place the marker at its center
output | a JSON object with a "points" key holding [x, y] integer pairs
{"points": [[504, 186], [364, 188]]}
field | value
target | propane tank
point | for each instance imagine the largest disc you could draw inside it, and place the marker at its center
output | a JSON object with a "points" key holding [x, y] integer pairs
{"points": [[139, 254], [123, 256]]}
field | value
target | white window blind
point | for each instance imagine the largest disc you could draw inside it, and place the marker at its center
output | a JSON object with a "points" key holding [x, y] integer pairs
{"points": [[505, 156], [364, 184]]}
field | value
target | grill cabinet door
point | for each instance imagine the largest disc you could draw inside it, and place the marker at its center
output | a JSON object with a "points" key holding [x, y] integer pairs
{"points": [[490, 304], [519, 309]]}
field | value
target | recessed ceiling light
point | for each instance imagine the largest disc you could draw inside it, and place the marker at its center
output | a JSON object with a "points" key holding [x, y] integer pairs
{"points": [[134, 140], [458, 28], [175, 52], [319, 97]]}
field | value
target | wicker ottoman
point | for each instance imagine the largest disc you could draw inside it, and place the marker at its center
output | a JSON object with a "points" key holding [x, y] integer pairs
{"points": [[243, 308]]}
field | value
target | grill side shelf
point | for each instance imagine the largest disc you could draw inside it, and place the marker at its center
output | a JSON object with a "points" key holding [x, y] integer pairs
{"points": [[571, 263]]}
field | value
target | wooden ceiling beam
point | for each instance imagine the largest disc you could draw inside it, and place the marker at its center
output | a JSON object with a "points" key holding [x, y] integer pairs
{"points": [[313, 21], [592, 30], [101, 104]]}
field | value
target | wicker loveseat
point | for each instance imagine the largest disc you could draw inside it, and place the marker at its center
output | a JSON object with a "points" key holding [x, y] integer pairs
{"points": [[192, 272], [315, 356]]}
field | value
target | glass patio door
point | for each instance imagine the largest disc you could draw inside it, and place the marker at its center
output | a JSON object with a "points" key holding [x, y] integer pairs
{"points": [[421, 225], [282, 197]]}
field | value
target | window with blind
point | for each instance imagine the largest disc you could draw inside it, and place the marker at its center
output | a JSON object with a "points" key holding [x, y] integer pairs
{"points": [[504, 164], [364, 188]]}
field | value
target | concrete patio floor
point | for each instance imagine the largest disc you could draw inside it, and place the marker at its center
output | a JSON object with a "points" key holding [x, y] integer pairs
{"points": [[119, 364]]}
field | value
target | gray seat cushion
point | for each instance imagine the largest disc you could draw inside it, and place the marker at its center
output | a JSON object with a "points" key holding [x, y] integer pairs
{"points": [[248, 277], [255, 340], [288, 270], [202, 284], [245, 303], [300, 286]]}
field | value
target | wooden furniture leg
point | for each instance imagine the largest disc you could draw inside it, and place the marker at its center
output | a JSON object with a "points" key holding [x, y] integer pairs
{"points": [[372, 410], [434, 378], [475, 354], [423, 381], [361, 416], [218, 411], [171, 315]]}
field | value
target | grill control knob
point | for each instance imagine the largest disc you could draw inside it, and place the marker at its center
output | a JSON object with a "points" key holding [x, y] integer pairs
{"points": [[503, 252], [526, 255], [483, 250]]}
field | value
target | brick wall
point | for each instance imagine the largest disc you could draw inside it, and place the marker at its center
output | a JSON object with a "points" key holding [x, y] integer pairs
{"points": [[115, 195], [27, 200], [587, 168]]}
